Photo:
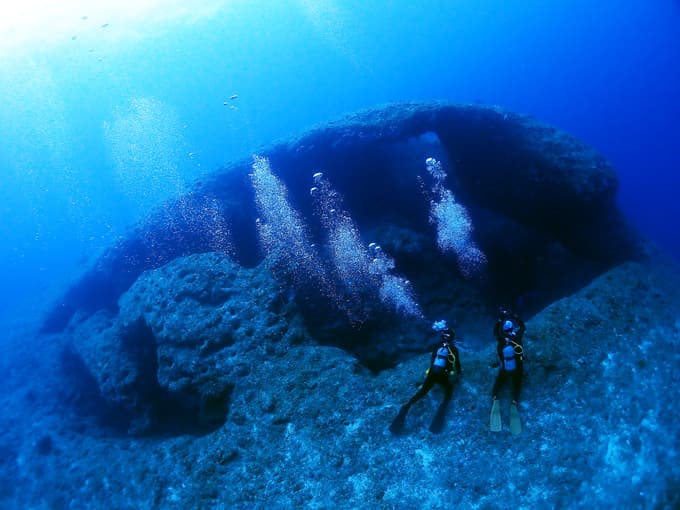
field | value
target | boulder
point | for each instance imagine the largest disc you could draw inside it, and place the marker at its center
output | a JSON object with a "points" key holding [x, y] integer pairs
{"points": [[184, 335]]}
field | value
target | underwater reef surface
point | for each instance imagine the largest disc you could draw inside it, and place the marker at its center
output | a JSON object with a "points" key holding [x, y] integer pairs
{"points": [[271, 418], [540, 205]]}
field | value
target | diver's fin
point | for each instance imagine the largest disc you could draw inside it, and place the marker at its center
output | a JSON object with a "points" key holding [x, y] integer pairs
{"points": [[397, 426], [515, 422], [495, 422]]}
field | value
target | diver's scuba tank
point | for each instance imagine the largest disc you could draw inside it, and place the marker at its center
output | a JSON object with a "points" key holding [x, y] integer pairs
{"points": [[440, 358], [509, 361], [443, 357]]}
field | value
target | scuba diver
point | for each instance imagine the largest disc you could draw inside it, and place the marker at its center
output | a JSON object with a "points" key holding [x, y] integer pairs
{"points": [[509, 331], [444, 361]]}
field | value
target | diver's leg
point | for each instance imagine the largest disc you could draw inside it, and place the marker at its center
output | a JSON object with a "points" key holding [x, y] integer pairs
{"points": [[397, 425], [495, 422], [427, 386], [498, 383], [517, 384], [515, 421], [438, 422]]}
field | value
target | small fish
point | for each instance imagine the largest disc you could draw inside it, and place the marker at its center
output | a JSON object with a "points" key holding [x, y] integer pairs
{"points": [[233, 96], [105, 25]]}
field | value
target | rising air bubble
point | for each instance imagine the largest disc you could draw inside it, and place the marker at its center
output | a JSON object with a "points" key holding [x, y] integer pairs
{"points": [[282, 231], [364, 272], [453, 223]]}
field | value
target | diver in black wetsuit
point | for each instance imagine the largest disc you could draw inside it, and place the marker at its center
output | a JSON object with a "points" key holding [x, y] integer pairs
{"points": [[509, 332], [445, 361]]}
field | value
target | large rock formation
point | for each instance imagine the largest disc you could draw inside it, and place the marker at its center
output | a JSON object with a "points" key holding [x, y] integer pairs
{"points": [[541, 202], [258, 393], [169, 344], [184, 336]]}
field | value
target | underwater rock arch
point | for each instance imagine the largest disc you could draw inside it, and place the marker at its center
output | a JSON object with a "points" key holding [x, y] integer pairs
{"points": [[531, 190]]}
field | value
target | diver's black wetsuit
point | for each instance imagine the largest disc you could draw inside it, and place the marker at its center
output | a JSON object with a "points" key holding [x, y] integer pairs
{"points": [[438, 375], [514, 339], [444, 360]]}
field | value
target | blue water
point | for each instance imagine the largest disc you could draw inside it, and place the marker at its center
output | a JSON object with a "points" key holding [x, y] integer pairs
{"points": [[103, 120]]}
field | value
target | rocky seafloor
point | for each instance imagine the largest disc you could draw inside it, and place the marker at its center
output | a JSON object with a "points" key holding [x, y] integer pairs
{"points": [[307, 425]]}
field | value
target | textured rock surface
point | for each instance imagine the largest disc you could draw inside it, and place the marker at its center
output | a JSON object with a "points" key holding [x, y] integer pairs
{"points": [[184, 335], [120, 359], [308, 426]]}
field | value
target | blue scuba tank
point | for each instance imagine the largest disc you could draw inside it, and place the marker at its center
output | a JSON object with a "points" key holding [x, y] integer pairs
{"points": [[440, 358], [509, 362]]}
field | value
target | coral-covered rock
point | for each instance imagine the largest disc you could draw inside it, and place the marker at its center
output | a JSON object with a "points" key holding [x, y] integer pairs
{"points": [[186, 333], [120, 358]]}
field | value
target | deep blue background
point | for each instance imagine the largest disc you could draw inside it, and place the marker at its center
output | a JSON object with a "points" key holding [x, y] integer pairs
{"points": [[606, 72]]}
